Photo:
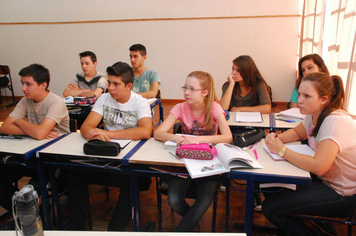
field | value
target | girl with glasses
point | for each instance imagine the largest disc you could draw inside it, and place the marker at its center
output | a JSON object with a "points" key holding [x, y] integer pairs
{"points": [[202, 116]]}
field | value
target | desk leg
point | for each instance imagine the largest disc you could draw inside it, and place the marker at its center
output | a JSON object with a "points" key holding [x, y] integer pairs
{"points": [[45, 201], [227, 211], [135, 202], [55, 199], [249, 206]]}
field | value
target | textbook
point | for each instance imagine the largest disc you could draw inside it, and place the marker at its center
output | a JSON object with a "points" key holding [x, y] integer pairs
{"points": [[249, 117], [293, 113], [300, 148], [228, 157]]}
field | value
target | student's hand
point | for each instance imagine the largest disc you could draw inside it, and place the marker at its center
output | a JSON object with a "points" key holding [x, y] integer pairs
{"points": [[73, 86], [187, 140], [231, 79], [52, 134], [274, 143], [102, 137], [235, 109], [96, 134]]}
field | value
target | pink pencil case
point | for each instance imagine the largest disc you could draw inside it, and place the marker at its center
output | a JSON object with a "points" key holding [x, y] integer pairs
{"points": [[200, 151]]}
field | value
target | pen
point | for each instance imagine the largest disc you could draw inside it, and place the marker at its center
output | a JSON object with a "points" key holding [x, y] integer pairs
{"points": [[174, 155], [285, 120], [255, 152]]}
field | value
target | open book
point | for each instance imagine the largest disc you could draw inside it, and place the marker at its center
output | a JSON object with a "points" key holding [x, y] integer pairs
{"points": [[300, 148], [244, 117], [228, 157]]}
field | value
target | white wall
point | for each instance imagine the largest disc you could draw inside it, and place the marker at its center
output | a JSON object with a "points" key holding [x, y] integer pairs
{"points": [[175, 48]]}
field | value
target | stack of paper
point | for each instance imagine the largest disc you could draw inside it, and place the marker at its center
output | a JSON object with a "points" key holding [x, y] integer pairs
{"points": [[252, 117], [292, 113]]}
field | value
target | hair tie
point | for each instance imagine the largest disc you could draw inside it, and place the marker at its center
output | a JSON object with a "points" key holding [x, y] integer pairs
{"points": [[331, 78]]}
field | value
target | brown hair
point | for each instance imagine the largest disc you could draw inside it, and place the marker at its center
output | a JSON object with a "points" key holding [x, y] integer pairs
{"points": [[206, 82], [251, 76], [317, 60], [333, 88]]}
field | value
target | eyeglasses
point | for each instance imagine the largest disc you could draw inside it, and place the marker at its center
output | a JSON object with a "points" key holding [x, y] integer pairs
{"points": [[185, 88]]}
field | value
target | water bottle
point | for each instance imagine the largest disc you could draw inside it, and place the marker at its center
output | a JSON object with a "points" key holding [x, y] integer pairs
{"points": [[25, 208]]}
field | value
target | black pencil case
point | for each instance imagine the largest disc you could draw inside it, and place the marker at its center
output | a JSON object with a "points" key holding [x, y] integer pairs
{"points": [[101, 148], [248, 138]]}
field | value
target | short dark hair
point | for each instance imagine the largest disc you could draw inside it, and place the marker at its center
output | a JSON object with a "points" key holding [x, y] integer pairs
{"points": [[123, 70], [88, 54], [39, 73], [140, 48]]}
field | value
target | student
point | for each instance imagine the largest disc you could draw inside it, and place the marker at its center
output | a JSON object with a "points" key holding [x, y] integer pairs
{"points": [[200, 115], [40, 114], [306, 65], [333, 189], [245, 90], [126, 115], [146, 81], [89, 83]]}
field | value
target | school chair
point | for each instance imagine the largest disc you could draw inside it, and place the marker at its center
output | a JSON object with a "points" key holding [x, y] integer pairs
{"points": [[6, 83], [348, 219]]}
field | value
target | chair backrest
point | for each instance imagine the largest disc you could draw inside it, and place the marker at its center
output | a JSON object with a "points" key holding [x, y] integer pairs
{"points": [[73, 125], [158, 94], [4, 76], [4, 70]]}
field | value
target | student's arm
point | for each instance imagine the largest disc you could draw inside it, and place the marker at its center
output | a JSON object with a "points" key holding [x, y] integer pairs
{"points": [[161, 134], [91, 93], [226, 98], [296, 134], [89, 130], [73, 90], [22, 127], [152, 92], [264, 109], [319, 164], [9, 127]]}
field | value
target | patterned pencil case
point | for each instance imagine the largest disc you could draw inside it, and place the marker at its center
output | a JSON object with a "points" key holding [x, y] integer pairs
{"points": [[200, 151]]}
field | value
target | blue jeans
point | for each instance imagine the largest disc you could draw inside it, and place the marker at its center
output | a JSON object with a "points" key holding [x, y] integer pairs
{"points": [[177, 191], [317, 199]]}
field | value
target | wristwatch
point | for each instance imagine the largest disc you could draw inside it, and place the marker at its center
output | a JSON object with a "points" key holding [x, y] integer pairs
{"points": [[282, 152]]}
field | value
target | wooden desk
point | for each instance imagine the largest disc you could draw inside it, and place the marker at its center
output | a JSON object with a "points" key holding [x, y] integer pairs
{"points": [[249, 125], [23, 151], [153, 152], [25, 148], [69, 150], [268, 121], [106, 233], [272, 172]]}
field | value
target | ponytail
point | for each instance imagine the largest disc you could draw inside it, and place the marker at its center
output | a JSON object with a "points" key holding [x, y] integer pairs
{"points": [[333, 88]]}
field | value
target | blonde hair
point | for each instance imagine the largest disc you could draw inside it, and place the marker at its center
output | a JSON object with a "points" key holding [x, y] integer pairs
{"points": [[206, 82]]}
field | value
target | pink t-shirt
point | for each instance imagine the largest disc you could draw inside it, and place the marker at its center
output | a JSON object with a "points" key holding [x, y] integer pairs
{"points": [[342, 130], [192, 125]]}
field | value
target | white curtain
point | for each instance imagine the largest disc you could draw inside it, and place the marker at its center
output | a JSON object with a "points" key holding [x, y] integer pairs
{"points": [[339, 38]]}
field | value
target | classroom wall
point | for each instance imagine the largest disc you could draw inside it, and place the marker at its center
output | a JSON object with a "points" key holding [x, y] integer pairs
{"points": [[180, 36]]}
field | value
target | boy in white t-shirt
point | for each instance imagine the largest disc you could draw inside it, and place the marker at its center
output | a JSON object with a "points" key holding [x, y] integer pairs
{"points": [[126, 115]]}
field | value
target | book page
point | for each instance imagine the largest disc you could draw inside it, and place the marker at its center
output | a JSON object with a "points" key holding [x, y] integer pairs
{"points": [[123, 142], [234, 157], [246, 117], [202, 168], [301, 148]]}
